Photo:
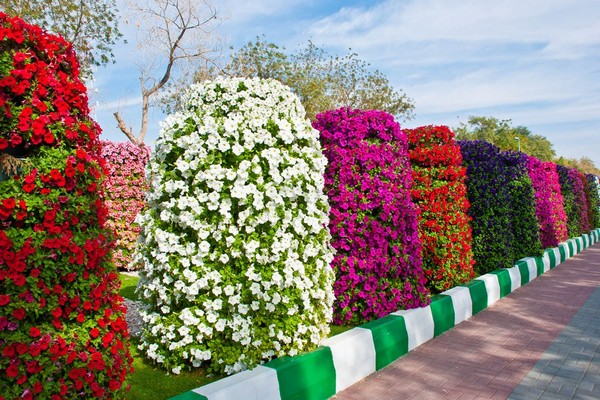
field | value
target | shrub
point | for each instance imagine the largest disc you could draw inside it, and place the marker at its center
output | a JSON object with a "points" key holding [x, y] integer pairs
{"points": [[440, 191], [62, 326], [125, 188], [548, 201], [234, 242], [373, 222]]}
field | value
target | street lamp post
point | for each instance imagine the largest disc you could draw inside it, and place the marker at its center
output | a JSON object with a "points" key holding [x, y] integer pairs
{"points": [[518, 139]]}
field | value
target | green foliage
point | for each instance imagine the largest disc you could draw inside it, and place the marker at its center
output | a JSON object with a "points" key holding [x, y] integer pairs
{"points": [[321, 81], [91, 25], [503, 135]]}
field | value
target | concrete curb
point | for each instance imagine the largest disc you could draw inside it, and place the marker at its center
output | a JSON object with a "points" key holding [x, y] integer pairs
{"points": [[345, 359]]}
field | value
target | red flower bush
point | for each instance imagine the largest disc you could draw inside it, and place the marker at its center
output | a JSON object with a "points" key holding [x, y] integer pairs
{"points": [[549, 202], [373, 221], [440, 191], [125, 186], [62, 325]]}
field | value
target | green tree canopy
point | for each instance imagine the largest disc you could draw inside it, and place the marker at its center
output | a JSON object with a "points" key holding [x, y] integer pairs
{"points": [[91, 25], [502, 134], [321, 81], [584, 164]]}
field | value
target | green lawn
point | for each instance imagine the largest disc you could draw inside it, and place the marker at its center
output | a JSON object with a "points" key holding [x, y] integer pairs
{"points": [[128, 284], [151, 383]]}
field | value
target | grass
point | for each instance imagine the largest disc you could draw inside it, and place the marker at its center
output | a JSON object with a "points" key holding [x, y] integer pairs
{"points": [[149, 382], [128, 284]]}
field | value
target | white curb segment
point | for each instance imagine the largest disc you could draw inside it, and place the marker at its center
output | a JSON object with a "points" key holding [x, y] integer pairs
{"points": [[461, 302], [353, 354], [259, 383], [419, 325], [492, 287]]}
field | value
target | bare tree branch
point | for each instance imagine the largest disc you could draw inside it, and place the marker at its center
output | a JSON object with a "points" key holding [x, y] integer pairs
{"points": [[177, 32], [124, 128]]}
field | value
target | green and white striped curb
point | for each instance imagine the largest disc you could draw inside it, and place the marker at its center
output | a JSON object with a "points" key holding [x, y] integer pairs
{"points": [[345, 359]]}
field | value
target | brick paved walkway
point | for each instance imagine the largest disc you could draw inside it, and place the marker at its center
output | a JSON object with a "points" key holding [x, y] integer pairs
{"points": [[570, 367], [492, 354]]}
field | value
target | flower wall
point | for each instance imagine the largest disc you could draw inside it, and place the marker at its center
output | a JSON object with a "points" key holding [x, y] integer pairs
{"points": [[550, 210], [125, 188], [581, 200], [439, 191], [566, 189], [593, 193], [62, 326], [373, 221], [523, 220], [489, 195], [234, 241]]}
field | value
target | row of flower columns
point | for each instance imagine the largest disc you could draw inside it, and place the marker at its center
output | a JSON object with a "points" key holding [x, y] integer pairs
{"points": [[347, 358]]}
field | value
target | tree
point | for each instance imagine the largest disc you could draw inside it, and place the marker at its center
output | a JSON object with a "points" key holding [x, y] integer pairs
{"points": [[91, 25], [584, 164], [321, 81], [502, 134], [176, 33]]}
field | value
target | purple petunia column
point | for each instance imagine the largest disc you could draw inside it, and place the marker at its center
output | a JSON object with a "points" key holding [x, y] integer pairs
{"points": [[373, 221]]}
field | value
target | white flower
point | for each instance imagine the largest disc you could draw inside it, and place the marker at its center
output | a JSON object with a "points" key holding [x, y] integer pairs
{"points": [[235, 229]]}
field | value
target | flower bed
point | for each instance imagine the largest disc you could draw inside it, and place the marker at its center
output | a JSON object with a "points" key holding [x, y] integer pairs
{"points": [[234, 242], [62, 326], [373, 222], [440, 191], [125, 188]]}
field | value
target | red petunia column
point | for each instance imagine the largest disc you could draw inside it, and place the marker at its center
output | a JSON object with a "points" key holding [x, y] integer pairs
{"points": [[62, 326]]}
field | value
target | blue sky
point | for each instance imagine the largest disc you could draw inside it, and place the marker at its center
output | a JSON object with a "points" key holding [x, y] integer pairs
{"points": [[535, 62]]}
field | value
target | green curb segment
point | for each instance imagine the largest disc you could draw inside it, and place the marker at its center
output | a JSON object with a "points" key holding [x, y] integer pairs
{"points": [[479, 295], [443, 313], [345, 359], [390, 339], [307, 376]]}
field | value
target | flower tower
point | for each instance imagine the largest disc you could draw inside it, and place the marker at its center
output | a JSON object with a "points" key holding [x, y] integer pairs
{"points": [[440, 192], [373, 221], [125, 188], [234, 241], [62, 326], [549, 202]]}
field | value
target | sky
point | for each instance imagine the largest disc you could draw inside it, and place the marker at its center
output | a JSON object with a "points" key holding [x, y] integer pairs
{"points": [[534, 62]]}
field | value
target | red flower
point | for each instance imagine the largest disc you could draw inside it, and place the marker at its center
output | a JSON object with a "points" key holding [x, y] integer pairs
{"points": [[19, 313], [12, 371], [4, 299], [34, 332], [94, 332]]}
